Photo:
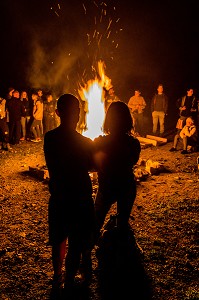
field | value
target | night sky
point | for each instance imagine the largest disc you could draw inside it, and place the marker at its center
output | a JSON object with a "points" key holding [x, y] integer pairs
{"points": [[54, 44]]}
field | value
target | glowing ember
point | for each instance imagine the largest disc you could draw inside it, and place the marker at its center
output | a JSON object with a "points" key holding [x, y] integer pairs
{"points": [[93, 94]]}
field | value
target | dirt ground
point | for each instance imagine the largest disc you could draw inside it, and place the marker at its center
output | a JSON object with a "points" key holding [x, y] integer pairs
{"points": [[164, 221]]}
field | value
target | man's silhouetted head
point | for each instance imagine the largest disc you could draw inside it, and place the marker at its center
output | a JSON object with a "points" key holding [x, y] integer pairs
{"points": [[68, 109]]}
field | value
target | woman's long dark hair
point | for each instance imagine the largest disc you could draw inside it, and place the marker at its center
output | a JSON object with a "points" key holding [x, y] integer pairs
{"points": [[118, 119]]}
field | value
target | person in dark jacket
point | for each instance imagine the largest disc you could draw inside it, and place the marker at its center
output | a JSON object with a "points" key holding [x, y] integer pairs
{"points": [[16, 111], [159, 108], [188, 107], [25, 120], [4, 130], [8, 97], [49, 119]]}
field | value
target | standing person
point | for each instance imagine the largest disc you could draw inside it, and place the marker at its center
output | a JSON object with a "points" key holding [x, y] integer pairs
{"points": [[10, 93], [36, 126], [25, 120], [16, 111], [40, 95], [159, 108], [188, 107], [68, 157], [111, 97], [49, 119], [115, 156], [137, 105], [41, 99], [8, 97], [4, 130]]}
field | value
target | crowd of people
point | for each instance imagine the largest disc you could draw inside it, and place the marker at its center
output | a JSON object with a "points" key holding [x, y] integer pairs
{"points": [[26, 117], [73, 215], [187, 125]]}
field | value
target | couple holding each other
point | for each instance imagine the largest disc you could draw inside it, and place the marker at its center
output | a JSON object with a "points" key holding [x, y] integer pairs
{"points": [[73, 214]]}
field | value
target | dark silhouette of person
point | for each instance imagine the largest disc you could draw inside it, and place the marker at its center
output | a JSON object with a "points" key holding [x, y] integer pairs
{"points": [[121, 270], [16, 110], [116, 153], [68, 157]]}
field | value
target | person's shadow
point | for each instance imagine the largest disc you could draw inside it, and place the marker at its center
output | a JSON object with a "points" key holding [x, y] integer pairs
{"points": [[121, 274]]}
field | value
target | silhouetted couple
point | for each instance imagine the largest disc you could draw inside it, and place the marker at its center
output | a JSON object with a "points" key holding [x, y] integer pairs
{"points": [[74, 216]]}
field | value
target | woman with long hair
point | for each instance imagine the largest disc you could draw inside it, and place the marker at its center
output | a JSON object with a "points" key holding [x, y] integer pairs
{"points": [[116, 153], [25, 120]]}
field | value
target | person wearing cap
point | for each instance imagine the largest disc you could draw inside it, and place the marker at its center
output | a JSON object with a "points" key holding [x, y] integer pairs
{"points": [[111, 97], [137, 104]]}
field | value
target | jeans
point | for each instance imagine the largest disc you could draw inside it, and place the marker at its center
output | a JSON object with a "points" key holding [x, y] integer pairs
{"points": [[192, 141], [158, 116], [14, 131], [25, 125], [138, 122]]}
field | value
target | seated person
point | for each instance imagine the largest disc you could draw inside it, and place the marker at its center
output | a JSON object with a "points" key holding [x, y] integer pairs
{"points": [[188, 134]]}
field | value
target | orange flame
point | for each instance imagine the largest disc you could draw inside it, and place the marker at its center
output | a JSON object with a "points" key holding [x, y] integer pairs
{"points": [[93, 94]]}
